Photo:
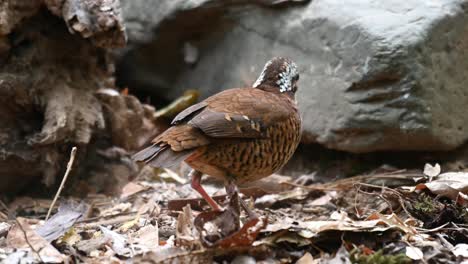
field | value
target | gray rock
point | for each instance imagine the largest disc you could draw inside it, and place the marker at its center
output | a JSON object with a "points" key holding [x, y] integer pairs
{"points": [[375, 75], [243, 259]]}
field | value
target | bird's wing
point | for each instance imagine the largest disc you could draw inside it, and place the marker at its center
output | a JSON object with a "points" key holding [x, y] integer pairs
{"points": [[182, 137], [172, 147], [240, 113], [188, 112]]}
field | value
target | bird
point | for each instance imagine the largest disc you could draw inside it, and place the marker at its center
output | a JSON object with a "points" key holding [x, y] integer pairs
{"points": [[238, 135]]}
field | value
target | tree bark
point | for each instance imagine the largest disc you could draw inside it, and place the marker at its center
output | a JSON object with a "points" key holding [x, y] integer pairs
{"points": [[57, 91]]}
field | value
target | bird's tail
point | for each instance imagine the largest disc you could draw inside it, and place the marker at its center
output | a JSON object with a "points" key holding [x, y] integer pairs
{"points": [[161, 156]]}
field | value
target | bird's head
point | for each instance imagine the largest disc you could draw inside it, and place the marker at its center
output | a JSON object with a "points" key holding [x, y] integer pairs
{"points": [[279, 75]]}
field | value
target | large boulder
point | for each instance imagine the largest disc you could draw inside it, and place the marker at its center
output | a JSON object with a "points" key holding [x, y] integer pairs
{"points": [[375, 75]]}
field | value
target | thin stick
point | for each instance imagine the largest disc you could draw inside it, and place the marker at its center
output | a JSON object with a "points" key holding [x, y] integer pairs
{"points": [[69, 166]]}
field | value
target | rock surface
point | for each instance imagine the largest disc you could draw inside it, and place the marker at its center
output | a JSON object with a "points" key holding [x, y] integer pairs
{"points": [[375, 75]]}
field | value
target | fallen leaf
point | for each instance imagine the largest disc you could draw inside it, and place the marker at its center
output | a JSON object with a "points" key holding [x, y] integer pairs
{"points": [[271, 199], [19, 257], [129, 224], [341, 257], [324, 199], [92, 245], [69, 212], [221, 229], [118, 241], [414, 253], [272, 184], [168, 174], [22, 236], [431, 171], [70, 237], [393, 220], [116, 209], [246, 236], [4, 227], [447, 184], [186, 233], [309, 229], [148, 238], [131, 188], [461, 250], [176, 255], [306, 259], [213, 226], [286, 236]]}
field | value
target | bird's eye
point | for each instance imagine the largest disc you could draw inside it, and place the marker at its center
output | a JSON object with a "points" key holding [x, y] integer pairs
{"points": [[294, 88], [296, 78]]}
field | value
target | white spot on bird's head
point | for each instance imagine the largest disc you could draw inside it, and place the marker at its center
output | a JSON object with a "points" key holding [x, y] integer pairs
{"points": [[279, 72]]}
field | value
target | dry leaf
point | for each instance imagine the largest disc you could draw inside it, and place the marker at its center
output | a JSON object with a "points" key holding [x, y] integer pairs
{"points": [[341, 257], [22, 236], [20, 257], [306, 259], [270, 199], [69, 212], [447, 184], [414, 253], [129, 224], [118, 241], [186, 233], [118, 208], [148, 238], [274, 183], [131, 188], [309, 229], [168, 174], [92, 245], [461, 250], [324, 199], [394, 221], [215, 226], [246, 236], [431, 171], [176, 255], [70, 237], [4, 227]]}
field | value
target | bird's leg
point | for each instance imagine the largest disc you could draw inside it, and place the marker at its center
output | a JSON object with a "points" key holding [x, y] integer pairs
{"points": [[231, 188], [196, 178]]}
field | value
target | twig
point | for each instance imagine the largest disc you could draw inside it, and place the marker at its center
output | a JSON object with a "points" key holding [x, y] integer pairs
{"points": [[109, 222], [99, 218], [27, 240], [397, 193], [69, 166], [355, 203]]}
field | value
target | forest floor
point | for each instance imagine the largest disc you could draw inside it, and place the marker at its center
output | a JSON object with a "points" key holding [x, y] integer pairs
{"points": [[381, 217]]}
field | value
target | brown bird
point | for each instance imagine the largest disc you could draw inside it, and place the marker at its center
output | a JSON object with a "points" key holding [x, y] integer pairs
{"points": [[238, 135]]}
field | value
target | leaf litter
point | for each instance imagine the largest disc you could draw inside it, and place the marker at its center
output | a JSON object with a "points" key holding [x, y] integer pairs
{"points": [[382, 217]]}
